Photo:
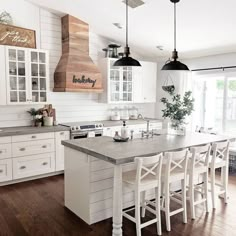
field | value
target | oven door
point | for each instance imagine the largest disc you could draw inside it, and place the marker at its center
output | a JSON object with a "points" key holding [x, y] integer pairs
{"points": [[79, 135]]}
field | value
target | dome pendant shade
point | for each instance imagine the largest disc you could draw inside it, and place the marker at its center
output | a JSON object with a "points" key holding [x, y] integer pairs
{"points": [[126, 60], [174, 64]]}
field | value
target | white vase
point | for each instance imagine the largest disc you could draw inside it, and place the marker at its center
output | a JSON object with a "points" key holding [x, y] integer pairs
{"points": [[48, 121]]}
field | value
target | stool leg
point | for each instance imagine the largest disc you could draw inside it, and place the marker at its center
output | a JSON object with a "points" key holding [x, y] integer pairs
{"points": [[213, 179], [137, 212], [191, 196], [225, 182], [158, 210], [167, 206], [143, 203], [206, 190], [184, 200]]}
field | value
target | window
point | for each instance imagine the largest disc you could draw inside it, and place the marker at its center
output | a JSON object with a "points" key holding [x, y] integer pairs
{"points": [[215, 102]]}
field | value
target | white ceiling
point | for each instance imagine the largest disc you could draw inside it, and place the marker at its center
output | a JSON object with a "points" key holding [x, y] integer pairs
{"points": [[204, 27]]}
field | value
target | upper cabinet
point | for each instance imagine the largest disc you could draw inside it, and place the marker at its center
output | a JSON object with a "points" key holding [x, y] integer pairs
{"points": [[128, 84], [26, 75]]}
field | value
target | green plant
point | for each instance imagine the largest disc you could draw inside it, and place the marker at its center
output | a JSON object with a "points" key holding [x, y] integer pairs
{"points": [[33, 112], [179, 108]]}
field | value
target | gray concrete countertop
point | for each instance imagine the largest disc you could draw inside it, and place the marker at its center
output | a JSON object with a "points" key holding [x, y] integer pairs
{"points": [[13, 131], [106, 149]]}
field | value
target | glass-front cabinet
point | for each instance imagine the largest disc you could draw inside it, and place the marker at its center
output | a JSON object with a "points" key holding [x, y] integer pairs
{"points": [[27, 75], [118, 82]]}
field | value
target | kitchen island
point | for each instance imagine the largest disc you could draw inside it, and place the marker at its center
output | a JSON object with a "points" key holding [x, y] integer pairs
{"points": [[93, 172]]}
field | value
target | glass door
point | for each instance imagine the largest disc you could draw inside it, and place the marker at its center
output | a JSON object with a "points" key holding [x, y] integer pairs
{"points": [[17, 75], [127, 86], [115, 83], [38, 74]]}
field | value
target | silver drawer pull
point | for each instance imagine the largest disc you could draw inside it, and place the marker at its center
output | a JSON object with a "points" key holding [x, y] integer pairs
{"points": [[22, 149], [1, 152], [44, 146], [62, 133], [44, 163], [1, 171], [23, 167], [33, 136]]}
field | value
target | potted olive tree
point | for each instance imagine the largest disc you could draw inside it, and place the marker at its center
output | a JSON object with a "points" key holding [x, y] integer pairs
{"points": [[178, 109]]}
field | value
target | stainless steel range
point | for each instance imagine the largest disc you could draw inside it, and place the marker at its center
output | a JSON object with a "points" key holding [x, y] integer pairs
{"points": [[80, 130]]}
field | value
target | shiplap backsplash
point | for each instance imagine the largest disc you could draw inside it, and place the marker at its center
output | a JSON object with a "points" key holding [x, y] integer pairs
{"points": [[69, 106]]}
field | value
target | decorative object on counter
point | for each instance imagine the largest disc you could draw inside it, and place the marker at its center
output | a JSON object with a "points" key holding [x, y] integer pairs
{"points": [[168, 85], [17, 36], [124, 113], [174, 64], [127, 60], [6, 18], [178, 110], [38, 120], [48, 115], [118, 138], [133, 113], [115, 114], [33, 112], [124, 131]]}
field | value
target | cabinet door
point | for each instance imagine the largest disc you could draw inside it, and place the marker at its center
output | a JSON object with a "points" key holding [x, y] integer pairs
{"points": [[114, 78], [64, 135], [149, 77], [38, 76], [16, 74], [5, 170], [3, 94], [126, 92]]}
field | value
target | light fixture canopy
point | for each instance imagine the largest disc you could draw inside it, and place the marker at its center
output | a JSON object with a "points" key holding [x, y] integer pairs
{"points": [[126, 60], [174, 64]]}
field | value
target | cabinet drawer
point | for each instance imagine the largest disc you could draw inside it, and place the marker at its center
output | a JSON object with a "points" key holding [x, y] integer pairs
{"points": [[31, 137], [5, 151], [5, 170], [32, 147], [33, 165], [5, 140]]}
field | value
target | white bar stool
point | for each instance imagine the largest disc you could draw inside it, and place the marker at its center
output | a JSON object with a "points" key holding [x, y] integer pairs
{"points": [[147, 176], [175, 169], [219, 159], [198, 165]]}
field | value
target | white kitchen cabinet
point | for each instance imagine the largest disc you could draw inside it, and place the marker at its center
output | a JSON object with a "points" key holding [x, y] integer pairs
{"points": [[145, 83], [5, 170], [24, 75], [5, 151], [117, 82], [28, 166], [59, 136], [128, 84]]}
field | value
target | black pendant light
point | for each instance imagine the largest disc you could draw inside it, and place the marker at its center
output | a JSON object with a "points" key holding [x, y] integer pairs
{"points": [[126, 60], [174, 64]]}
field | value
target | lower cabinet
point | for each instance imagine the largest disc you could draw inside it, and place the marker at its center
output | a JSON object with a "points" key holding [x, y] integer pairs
{"points": [[28, 166], [59, 136], [5, 170]]}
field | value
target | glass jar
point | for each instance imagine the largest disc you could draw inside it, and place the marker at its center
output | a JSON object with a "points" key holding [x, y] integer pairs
{"points": [[115, 114], [124, 113], [133, 113]]}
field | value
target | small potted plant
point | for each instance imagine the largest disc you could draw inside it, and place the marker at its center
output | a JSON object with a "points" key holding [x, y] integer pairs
{"points": [[38, 120], [178, 109], [33, 112]]}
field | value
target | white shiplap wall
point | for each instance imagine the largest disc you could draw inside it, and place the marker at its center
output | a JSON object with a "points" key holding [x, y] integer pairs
{"points": [[69, 106]]}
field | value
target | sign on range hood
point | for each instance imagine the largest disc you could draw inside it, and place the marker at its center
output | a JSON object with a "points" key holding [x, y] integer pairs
{"points": [[76, 71]]}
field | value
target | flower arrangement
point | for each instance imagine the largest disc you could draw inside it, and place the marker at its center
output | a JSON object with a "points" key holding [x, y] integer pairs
{"points": [[5, 18], [36, 117], [178, 109]]}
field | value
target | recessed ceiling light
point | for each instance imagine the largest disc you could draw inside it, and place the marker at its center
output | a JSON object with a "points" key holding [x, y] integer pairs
{"points": [[161, 48], [118, 25]]}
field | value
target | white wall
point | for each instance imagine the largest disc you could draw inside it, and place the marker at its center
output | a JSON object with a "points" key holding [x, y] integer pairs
{"points": [[69, 106]]}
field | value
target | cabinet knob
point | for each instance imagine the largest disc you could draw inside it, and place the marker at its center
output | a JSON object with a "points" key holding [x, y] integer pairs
{"points": [[1, 152], [22, 149], [1, 171], [44, 163], [62, 133], [33, 136], [23, 167], [44, 146]]}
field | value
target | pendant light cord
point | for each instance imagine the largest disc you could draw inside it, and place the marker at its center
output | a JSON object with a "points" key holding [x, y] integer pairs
{"points": [[126, 23], [175, 26]]}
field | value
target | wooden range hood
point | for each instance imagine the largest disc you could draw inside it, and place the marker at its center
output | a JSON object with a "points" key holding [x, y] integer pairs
{"points": [[76, 71]]}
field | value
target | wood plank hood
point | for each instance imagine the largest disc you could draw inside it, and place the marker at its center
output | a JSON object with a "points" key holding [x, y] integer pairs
{"points": [[76, 71]]}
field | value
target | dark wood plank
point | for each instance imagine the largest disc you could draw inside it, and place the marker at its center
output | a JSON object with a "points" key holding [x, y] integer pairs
{"points": [[37, 208]]}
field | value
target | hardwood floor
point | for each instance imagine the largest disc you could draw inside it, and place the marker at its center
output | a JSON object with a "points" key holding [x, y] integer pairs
{"points": [[37, 208]]}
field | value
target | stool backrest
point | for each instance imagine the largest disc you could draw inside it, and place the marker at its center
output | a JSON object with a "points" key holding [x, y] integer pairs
{"points": [[148, 167], [220, 150], [200, 156], [176, 161]]}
